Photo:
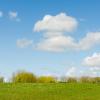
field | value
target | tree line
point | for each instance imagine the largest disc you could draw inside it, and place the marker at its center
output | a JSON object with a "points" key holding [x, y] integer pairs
{"points": [[27, 77]]}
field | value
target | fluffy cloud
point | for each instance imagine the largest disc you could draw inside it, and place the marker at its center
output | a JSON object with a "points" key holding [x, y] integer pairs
{"points": [[1, 14], [79, 72], [23, 43], [63, 43], [54, 39], [53, 28], [58, 43], [92, 61], [14, 16], [58, 23], [89, 41]]}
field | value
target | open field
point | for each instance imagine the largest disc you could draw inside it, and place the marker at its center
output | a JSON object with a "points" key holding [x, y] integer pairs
{"points": [[54, 91]]}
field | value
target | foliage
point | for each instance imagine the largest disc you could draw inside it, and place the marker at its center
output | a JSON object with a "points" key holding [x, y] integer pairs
{"points": [[1, 79], [71, 80], [89, 80], [24, 77], [46, 79], [85, 80], [97, 79]]}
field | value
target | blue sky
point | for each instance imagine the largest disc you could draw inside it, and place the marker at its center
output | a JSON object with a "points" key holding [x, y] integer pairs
{"points": [[24, 48]]}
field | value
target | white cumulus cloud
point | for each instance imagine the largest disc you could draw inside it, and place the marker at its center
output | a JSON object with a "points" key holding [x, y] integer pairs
{"points": [[58, 43], [90, 40], [92, 61], [54, 28], [63, 43], [58, 23]]}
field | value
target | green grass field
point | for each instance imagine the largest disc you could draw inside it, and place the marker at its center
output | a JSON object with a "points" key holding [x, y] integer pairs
{"points": [[55, 91]]}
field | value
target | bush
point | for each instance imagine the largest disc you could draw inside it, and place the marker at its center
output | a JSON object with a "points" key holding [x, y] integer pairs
{"points": [[1, 79], [24, 77], [87, 80], [97, 79], [46, 79], [71, 80], [84, 80]]}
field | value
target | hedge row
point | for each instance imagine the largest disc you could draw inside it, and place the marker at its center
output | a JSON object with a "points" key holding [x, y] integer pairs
{"points": [[27, 77]]}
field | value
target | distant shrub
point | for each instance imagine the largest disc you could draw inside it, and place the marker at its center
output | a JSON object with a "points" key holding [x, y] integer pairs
{"points": [[24, 77], [72, 80], [84, 80], [89, 79], [97, 79], [1, 79], [46, 79]]}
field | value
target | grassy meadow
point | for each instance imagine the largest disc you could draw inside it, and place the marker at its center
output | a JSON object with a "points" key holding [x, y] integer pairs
{"points": [[49, 91]]}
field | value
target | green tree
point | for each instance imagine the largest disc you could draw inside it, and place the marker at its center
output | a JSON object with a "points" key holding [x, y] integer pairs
{"points": [[97, 79], [24, 77], [1, 79], [71, 80], [86, 79]]}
